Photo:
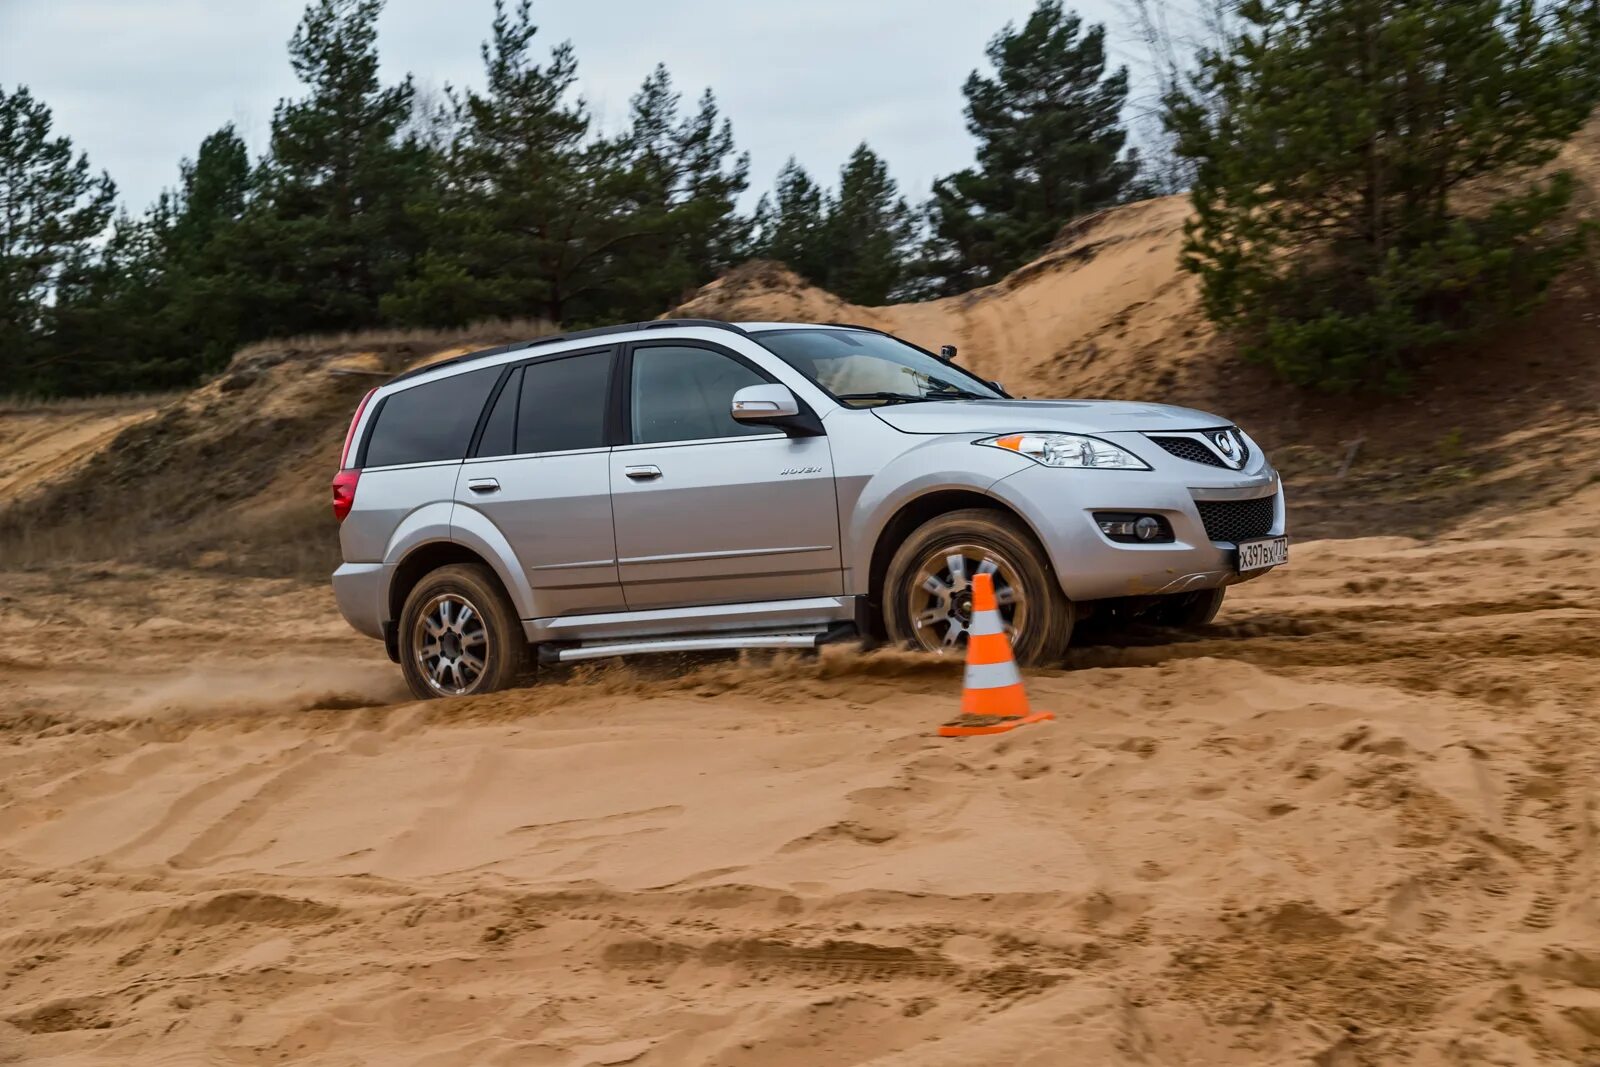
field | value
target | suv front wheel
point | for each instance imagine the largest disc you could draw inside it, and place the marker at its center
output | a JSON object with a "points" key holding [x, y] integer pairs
{"points": [[459, 635], [927, 591]]}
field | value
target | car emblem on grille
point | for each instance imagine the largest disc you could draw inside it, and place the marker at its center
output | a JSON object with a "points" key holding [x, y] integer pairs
{"points": [[1227, 448]]}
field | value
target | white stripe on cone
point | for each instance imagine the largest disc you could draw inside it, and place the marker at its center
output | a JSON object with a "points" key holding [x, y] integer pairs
{"points": [[992, 675], [986, 622]]}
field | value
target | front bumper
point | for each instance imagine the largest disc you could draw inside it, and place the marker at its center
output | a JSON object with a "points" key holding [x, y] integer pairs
{"points": [[362, 593], [1060, 505]]}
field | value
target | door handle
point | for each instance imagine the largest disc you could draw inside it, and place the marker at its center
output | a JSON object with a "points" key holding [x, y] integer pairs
{"points": [[643, 472], [483, 485]]}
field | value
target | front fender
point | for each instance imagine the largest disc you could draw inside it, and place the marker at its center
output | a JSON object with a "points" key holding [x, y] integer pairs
{"points": [[943, 463]]}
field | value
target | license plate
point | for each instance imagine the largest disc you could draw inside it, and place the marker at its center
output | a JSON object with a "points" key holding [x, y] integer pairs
{"points": [[1268, 552]]}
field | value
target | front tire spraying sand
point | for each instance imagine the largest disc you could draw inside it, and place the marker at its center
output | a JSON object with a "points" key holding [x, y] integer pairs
{"points": [[927, 591]]}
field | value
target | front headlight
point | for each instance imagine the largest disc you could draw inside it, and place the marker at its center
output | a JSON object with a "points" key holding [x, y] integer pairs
{"points": [[1068, 450]]}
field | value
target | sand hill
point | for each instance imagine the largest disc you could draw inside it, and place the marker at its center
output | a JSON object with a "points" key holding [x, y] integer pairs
{"points": [[1105, 311]]}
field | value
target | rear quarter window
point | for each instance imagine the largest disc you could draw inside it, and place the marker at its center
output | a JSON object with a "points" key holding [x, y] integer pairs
{"points": [[429, 422]]}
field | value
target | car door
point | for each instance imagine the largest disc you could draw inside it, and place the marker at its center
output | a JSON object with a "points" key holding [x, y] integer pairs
{"points": [[540, 476], [709, 510]]}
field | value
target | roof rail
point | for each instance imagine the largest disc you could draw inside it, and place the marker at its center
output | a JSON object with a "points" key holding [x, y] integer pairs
{"points": [[575, 335]]}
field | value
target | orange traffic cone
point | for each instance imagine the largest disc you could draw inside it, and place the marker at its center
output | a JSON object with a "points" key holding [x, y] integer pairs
{"points": [[992, 700]]}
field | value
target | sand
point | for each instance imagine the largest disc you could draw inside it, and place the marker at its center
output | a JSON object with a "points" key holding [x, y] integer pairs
{"points": [[1353, 822], [46, 442]]}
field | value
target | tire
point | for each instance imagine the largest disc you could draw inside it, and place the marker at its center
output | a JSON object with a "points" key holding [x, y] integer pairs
{"points": [[491, 627], [1188, 610], [1039, 611]]}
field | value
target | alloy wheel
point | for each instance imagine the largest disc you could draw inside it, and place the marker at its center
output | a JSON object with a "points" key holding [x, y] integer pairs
{"points": [[451, 644], [939, 595]]}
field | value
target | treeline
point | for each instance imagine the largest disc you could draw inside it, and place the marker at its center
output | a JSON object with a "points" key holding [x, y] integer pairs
{"points": [[1348, 163], [374, 207]]}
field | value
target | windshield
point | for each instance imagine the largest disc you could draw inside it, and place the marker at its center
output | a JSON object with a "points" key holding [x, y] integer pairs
{"points": [[865, 369]]}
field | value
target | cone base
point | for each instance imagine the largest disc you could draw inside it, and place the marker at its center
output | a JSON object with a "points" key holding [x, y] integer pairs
{"points": [[975, 725]]}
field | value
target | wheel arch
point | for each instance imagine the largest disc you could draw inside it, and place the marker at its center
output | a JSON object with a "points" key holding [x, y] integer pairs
{"points": [[424, 560], [912, 514]]}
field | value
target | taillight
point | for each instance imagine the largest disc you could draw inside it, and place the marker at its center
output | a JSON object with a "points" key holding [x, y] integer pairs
{"points": [[344, 483], [344, 493]]}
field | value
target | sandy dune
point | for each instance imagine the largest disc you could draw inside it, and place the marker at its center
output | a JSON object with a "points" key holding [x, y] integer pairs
{"points": [[1104, 311], [45, 442], [1355, 822]]}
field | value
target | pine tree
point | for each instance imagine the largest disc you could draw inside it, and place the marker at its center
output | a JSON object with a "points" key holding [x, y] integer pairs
{"points": [[870, 232], [655, 269], [1341, 221], [334, 233], [528, 218], [682, 184], [713, 176], [1050, 149], [203, 239], [214, 190], [791, 224], [857, 242], [112, 317], [653, 126], [156, 307], [52, 209]]}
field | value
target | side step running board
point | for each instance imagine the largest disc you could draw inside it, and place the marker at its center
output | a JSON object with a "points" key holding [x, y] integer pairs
{"points": [[698, 643]]}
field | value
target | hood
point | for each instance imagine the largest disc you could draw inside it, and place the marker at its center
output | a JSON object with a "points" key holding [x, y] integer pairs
{"points": [[1068, 416]]}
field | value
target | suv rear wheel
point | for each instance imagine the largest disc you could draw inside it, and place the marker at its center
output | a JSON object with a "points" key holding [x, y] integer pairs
{"points": [[459, 635], [927, 591]]}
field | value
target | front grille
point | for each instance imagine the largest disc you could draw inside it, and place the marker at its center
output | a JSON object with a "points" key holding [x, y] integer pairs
{"points": [[1190, 449], [1238, 520]]}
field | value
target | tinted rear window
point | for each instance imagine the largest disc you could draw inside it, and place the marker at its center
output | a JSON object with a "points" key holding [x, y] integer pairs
{"points": [[564, 403], [430, 422]]}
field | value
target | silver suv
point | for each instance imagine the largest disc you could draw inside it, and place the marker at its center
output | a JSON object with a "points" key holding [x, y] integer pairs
{"points": [[691, 484]]}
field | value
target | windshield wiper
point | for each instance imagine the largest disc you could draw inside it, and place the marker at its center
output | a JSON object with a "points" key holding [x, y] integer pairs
{"points": [[886, 397], [953, 393]]}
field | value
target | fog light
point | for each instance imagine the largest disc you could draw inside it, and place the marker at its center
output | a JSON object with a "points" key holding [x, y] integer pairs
{"points": [[1134, 528]]}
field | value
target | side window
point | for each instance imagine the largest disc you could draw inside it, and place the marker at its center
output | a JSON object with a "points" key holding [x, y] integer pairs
{"points": [[683, 394], [563, 404], [500, 432], [430, 422]]}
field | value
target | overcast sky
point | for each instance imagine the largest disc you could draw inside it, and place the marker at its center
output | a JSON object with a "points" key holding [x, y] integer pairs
{"points": [[137, 83]]}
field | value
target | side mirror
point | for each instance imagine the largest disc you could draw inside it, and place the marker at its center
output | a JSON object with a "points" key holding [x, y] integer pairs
{"points": [[774, 405], [947, 353]]}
